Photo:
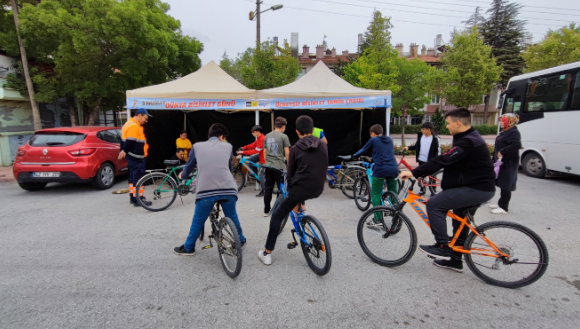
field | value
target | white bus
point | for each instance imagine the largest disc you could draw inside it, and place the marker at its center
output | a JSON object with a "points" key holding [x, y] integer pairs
{"points": [[548, 103]]}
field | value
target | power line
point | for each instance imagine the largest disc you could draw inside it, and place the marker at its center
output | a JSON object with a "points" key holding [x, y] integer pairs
{"points": [[567, 9]]}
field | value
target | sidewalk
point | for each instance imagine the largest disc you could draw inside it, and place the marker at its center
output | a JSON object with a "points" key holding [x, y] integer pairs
{"points": [[6, 175]]}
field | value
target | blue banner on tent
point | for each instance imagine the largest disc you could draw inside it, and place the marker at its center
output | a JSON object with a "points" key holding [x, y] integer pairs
{"points": [[323, 103], [187, 104]]}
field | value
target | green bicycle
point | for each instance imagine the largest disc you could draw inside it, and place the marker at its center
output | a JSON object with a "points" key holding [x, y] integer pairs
{"points": [[160, 186]]}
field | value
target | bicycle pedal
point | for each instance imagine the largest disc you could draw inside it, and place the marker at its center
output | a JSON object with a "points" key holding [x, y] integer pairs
{"points": [[292, 245], [207, 247]]}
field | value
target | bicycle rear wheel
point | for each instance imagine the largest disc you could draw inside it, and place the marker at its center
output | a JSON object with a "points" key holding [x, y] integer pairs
{"points": [[386, 236], [229, 247], [520, 243], [240, 178], [435, 182], [362, 193], [317, 251], [274, 208], [347, 181], [158, 188]]}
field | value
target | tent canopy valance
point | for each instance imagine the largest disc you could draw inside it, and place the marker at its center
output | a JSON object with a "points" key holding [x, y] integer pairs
{"points": [[209, 88], [322, 89]]}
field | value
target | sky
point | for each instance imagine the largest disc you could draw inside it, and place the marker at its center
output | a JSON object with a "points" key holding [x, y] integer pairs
{"points": [[224, 25]]}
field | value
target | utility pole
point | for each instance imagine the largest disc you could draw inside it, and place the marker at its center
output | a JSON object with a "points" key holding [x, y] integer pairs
{"points": [[258, 24], [24, 58]]}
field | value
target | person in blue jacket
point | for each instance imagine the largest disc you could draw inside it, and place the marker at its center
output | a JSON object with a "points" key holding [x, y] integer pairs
{"points": [[386, 166]]}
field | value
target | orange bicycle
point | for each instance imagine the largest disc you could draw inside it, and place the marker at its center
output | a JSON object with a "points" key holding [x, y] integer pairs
{"points": [[501, 253]]}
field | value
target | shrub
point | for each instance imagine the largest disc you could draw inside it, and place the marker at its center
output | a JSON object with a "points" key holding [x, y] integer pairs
{"points": [[415, 129], [486, 129]]}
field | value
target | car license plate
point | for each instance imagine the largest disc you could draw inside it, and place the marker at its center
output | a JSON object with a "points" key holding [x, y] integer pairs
{"points": [[46, 174]]}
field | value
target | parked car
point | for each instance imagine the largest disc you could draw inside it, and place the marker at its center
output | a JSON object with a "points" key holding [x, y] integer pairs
{"points": [[70, 154]]}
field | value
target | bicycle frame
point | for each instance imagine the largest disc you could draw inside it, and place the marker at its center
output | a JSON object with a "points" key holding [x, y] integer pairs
{"points": [[247, 163], [172, 172], [423, 181], [369, 172], [414, 199]]}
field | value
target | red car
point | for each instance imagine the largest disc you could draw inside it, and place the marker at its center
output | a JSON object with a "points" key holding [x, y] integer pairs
{"points": [[70, 154]]}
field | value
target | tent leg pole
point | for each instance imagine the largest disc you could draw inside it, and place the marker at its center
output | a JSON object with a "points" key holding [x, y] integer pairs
{"points": [[128, 114], [388, 121], [360, 131], [272, 118], [184, 121], [257, 188]]}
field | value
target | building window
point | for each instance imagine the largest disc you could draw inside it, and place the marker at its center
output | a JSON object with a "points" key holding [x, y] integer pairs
{"points": [[417, 120], [427, 118], [302, 73], [478, 120], [435, 99]]}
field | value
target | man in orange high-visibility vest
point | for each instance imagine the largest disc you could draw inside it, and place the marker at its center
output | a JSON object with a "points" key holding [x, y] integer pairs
{"points": [[134, 147]]}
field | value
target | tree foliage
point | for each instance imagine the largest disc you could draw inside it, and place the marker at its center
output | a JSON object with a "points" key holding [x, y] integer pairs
{"points": [[504, 33], [231, 66], [475, 19], [438, 120], [101, 48], [468, 70], [378, 34], [557, 48]]}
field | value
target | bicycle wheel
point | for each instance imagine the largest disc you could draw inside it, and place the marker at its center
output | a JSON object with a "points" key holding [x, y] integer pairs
{"points": [[362, 193], [435, 182], [158, 188], [229, 247], [380, 243], [274, 208], [317, 252], [390, 199], [240, 178], [347, 181], [528, 255]]}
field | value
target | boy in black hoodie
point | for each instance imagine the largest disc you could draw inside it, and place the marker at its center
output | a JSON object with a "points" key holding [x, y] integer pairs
{"points": [[306, 178]]}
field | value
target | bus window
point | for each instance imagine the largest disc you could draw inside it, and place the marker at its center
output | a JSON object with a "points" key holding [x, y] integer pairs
{"points": [[549, 93], [513, 104], [576, 93]]}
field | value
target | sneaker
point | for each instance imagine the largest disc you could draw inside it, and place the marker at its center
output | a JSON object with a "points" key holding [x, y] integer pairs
{"points": [[438, 251], [499, 211], [452, 264], [259, 195], [265, 257], [493, 206], [364, 199], [181, 251], [375, 223], [266, 214], [144, 201], [244, 244]]}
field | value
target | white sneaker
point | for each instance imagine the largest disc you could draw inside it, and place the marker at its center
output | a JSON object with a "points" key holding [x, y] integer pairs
{"points": [[266, 214], [267, 260], [499, 211], [493, 206]]}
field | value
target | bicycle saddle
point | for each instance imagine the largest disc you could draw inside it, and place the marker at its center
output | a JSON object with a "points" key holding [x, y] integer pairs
{"points": [[472, 209], [171, 163], [345, 157], [221, 200]]}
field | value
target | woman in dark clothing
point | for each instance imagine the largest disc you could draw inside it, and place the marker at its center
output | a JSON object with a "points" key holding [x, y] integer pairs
{"points": [[507, 146]]}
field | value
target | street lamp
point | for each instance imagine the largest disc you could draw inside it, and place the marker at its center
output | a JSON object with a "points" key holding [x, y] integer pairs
{"points": [[256, 15]]}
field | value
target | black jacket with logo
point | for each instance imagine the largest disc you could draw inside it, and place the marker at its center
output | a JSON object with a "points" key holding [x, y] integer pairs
{"points": [[307, 167], [467, 164]]}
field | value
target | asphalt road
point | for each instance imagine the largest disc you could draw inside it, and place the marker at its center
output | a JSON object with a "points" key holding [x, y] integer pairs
{"points": [[73, 257]]}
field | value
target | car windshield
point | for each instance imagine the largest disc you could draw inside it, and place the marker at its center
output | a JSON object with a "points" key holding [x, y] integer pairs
{"points": [[56, 138]]}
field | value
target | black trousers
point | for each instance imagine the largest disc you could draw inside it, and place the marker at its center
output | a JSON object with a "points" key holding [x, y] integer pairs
{"points": [[272, 178], [287, 204], [504, 199]]}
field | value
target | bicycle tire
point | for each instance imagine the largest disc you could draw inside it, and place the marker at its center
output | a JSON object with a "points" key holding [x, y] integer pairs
{"points": [[274, 208], [153, 195], [379, 235], [507, 247], [438, 177], [240, 178], [319, 249], [347, 189], [362, 189], [232, 248], [390, 198]]}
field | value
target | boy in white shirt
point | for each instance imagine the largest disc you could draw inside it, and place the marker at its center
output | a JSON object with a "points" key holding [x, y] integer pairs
{"points": [[428, 146]]}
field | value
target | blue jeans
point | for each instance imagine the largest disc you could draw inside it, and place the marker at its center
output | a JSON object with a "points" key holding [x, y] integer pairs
{"points": [[202, 209]]}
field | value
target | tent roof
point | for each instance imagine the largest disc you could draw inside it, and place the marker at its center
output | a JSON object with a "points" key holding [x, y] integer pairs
{"points": [[319, 82], [209, 82]]}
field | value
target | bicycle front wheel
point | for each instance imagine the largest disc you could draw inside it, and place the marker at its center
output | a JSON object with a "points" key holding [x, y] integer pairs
{"points": [[159, 191], [239, 177], [347, 181], [528, 255], [387, 236], [229, 247], [362, 193], [434, 182], [317, 251]]}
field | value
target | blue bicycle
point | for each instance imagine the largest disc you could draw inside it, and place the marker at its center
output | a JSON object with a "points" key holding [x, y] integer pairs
{"points": [[362, 190], [239, 175], [313, 239]]}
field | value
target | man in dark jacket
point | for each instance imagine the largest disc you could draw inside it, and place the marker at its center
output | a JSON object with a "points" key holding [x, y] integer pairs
{"points": [[306, 178], [427, 147], [468, 180], [386, 167]]}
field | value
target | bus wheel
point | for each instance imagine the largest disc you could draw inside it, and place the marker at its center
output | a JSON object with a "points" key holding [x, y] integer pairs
{"points": [[534, 165]]}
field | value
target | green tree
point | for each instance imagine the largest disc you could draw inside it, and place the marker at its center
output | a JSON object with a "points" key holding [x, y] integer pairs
{"points": [[468, 70], [557, 48], [413, 93], [438, 121], [101, 48], [378, 34], [475, 19], [231, 66], [268, 67]]}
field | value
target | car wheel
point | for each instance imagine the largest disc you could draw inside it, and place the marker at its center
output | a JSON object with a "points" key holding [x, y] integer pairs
{"points": [[534, 165], [105, 177], [32, 186]]}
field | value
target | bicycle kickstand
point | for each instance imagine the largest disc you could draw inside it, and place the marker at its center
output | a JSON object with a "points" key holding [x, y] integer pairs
{"points": [[210, 245], [294, 244]]}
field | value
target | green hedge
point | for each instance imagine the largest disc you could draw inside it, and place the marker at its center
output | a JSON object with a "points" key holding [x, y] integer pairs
{"points": [[415, 129]]}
